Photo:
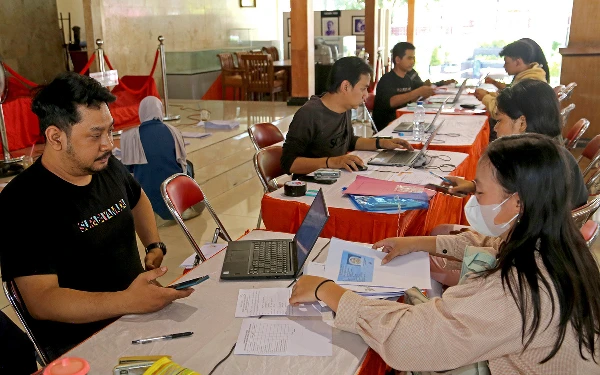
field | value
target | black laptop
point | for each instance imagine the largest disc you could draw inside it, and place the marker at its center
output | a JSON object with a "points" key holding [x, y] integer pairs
{"points": [[276, 259]]}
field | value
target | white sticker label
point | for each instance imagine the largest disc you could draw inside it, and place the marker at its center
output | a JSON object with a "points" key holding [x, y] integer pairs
{"points": [[108, 78]]}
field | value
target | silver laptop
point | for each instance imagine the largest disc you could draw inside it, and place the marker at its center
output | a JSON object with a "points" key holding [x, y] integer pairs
{"points": [[453, 101], [401, 158], [277, 258], [406, 126]]}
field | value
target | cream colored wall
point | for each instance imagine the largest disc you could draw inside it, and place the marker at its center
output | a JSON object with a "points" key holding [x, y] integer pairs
{"points": [[30, 39], [130, 28], [75, 7]]}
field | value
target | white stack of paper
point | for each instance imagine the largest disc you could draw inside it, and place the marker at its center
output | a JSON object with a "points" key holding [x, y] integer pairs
{"points": [[353, 264], [221, 124], [195, 134], [271, 301]]}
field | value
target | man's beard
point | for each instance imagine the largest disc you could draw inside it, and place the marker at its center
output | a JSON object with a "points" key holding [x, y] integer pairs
{"points": [[89, 169]]}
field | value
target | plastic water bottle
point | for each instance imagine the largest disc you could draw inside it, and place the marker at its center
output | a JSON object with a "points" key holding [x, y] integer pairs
{"points": [[419, 122]]}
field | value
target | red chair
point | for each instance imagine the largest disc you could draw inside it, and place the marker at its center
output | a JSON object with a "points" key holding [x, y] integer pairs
{"points": [[267, 163], [14, 297], [264, 134], [181, 192], [591, 153], [370, 102], [575, 133], [565, 112], [585, 212], [590, 231], [569, 89]]}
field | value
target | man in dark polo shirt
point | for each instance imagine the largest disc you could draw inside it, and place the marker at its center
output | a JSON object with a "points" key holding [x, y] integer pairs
{"points": [[400, 86], [321, 134]]}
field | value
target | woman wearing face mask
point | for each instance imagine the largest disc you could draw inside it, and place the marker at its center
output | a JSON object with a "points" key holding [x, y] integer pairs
{"points": [[536, 310], [532, 106]]}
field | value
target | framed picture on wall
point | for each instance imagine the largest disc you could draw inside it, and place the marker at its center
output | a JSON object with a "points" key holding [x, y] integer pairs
{"points": [[247, 3], [330, 26], [289, 54], [289, 26], [358, 25]]}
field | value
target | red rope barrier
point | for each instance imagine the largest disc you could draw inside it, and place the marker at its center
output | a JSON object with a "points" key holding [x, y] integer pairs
{"points": [[19, 77], [143, 88], [89, 63]]}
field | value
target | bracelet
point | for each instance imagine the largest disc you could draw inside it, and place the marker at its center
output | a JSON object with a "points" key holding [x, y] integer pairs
{"points": [[327, 162], [377, 145], [318, 286], [474, 184], [154, 245]]}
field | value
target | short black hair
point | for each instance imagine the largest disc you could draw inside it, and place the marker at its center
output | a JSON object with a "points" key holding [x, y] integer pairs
{"points": [[535, 100], [347, 69], [56, 103], [519, 50], [399, 50]]}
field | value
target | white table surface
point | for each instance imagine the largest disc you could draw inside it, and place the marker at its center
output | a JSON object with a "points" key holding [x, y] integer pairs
{"points": [[209, 313], [334, 196], [467, 127]]}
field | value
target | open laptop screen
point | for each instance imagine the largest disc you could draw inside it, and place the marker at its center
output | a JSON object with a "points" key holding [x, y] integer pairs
{"points": [[311, 228]]}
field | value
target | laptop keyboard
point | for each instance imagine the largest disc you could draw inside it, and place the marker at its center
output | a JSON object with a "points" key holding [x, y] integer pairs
{"points": [[270, 257]]}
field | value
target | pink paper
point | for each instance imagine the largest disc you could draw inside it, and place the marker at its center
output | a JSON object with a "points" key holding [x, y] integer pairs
{"points": [[372, 186]]}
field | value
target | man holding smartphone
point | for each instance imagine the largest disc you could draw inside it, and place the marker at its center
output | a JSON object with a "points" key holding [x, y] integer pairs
{"points": [[77, 211]]}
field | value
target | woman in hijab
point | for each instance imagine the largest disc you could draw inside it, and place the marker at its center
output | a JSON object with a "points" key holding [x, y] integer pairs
{"points": [[152, 152]]}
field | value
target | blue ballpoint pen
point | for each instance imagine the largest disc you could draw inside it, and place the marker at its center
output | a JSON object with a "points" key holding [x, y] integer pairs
{"points": [[443, 179]]}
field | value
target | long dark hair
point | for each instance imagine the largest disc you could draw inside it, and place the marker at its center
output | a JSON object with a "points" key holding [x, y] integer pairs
{"points": [[533, 166], [535, 100], [538, 56]]}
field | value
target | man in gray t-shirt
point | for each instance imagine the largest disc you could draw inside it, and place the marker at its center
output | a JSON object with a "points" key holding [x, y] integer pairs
{"points": [[320, 135]]}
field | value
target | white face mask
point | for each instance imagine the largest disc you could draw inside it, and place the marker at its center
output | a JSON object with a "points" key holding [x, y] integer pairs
{"points": [[481, 217]]}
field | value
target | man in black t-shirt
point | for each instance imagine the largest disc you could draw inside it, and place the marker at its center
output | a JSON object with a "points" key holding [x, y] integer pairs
{"points": [[74, 215], [321, 134], [400, 86]]}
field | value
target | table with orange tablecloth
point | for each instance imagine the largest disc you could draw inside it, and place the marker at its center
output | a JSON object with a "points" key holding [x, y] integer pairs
{"points": [[459, 133], [285, 214]]}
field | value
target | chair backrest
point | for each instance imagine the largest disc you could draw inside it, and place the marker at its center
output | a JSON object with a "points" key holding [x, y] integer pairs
{"points": [[591, 152], [590, 231], [267, 162], [264, 134], [569, 89], [370, 101], [226, 60], [16, 301], [564, 114], [181, 192], [559, 89], [272, 50], [561, 96], [593, 183], [583, 213], [258, 74], [575, 133]]}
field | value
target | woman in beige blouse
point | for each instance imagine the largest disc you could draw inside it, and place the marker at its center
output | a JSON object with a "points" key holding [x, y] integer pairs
{"points": [[537, 311]]}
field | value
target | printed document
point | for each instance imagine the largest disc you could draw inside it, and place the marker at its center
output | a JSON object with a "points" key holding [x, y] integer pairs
{"points": [[271, 301], [310, 337], [352, 263]]}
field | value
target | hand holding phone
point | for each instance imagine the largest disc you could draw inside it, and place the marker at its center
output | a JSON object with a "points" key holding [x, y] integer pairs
{"points": [[444, 190], [189, 283]]}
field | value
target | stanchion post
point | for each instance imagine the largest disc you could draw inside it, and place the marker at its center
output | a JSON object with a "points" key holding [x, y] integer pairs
{"points": [[163, 69], [100, 56]]}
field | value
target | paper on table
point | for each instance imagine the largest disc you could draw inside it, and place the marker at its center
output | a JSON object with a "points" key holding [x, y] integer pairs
{"points": [[271, 301], [415, 177], [309, 337], [352, 263], [195, 134], [209, 249]]}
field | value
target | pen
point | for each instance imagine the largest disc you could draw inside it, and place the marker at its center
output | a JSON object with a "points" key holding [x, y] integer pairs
{"points": [[443, 178], [165, 337]]}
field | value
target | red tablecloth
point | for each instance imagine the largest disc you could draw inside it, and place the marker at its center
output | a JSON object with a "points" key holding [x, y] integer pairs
{"points": [[354, 225]]}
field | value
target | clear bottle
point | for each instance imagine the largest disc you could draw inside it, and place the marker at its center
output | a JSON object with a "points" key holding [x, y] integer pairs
{"points": [[419, 122]]}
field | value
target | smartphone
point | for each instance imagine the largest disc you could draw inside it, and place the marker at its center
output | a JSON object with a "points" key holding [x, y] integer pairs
{"points": [[189, 283], [444, 189]]}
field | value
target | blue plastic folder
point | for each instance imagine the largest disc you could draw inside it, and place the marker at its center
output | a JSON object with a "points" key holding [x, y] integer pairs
{"points": [[390, 203]]}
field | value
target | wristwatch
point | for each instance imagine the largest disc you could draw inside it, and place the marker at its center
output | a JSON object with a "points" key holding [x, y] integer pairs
{"points": [[154, 245], [377, 145]]}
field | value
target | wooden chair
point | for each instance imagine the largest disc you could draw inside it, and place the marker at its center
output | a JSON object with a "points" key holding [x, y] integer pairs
{"points": [[271, 51], [565, 112], [181, 192], [259, 76], [264, 134], [575, 133], [230, 76]]}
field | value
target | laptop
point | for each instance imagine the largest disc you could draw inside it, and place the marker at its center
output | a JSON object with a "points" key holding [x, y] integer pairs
{"points": [[453, 101], [406, 126], [402, 158], [276, 259]]}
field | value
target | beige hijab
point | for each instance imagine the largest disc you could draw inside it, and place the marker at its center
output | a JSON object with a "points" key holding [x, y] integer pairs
{"points": [[151, 108]]}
